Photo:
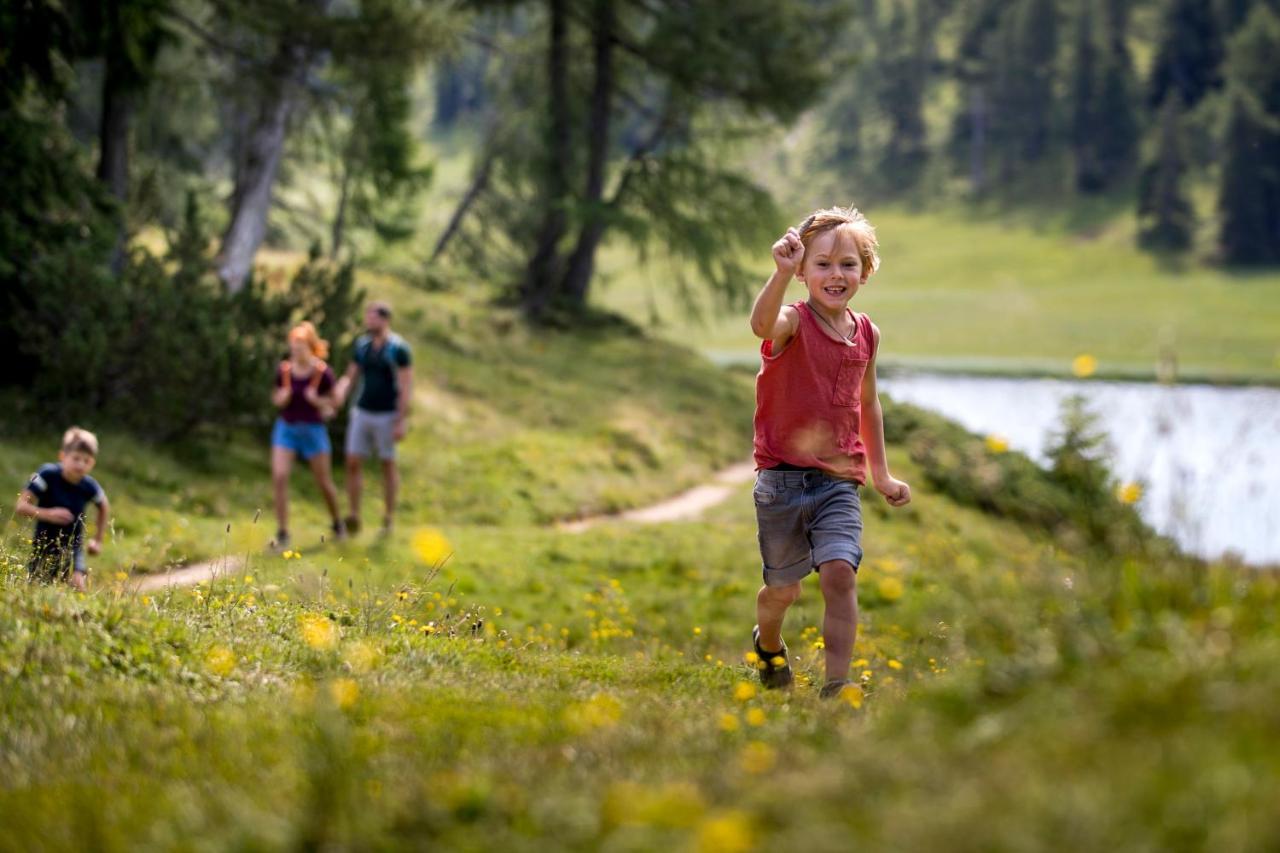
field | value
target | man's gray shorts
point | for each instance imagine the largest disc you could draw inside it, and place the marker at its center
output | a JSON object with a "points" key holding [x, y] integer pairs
{"points": [[806, 518], [371, 434]]}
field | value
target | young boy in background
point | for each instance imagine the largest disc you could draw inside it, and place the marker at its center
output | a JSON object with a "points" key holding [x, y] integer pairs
{"points": [[56, 498]]}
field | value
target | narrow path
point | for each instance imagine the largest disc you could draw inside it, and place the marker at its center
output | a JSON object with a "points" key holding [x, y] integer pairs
{"points": [[190, 575], [683, 507]]}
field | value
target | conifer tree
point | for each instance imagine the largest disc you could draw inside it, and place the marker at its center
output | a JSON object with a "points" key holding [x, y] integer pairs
{"points": [[1189, 54], [1166, 219], [1249, 194]]}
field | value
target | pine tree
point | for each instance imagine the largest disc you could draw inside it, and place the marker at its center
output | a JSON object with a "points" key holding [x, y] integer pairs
{"points": [[1189, 55], [1085, 116], [1166, 219], [1249, 195]]}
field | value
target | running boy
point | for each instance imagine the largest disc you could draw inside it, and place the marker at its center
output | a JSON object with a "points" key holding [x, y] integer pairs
{"points": [[818, 425], [56, 498]]}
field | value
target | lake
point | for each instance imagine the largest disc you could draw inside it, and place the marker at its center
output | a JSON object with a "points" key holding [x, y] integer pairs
{"points": [[1208, 457]]}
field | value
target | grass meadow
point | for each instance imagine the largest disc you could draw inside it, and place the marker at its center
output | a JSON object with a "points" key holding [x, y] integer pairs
{"points": [[482, 680], [981, 292]]}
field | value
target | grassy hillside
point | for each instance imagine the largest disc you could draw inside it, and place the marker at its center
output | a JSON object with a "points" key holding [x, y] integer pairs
{"points": [[481, 680], [1022, 293]]}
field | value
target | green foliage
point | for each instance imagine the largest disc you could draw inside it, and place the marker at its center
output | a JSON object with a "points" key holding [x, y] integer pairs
{"points": [[1166, 218], [1075, 499], [1249, 193], [1189, 53], [164, 349]]}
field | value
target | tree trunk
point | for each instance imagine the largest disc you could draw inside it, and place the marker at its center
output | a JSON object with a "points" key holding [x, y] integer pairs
{"points": [[340, 218], [977, 137], [542, 274], [118, 103], [577, 278], [263, 146], [478, 185]]}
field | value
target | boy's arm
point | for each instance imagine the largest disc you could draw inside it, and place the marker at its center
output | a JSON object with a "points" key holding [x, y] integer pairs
{"points": [[104, 514], [769, 320], [896, 492], [28, 507]]}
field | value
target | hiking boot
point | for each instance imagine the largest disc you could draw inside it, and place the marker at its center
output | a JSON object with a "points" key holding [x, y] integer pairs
{"points": [[774, 669]]}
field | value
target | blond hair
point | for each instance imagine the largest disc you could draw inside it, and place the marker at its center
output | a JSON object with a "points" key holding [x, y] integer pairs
{"points": [[851, 220], [305, 331], [77, 440]]}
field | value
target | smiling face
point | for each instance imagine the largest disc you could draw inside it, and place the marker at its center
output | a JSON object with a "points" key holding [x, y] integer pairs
{"points": [[833, 269]]}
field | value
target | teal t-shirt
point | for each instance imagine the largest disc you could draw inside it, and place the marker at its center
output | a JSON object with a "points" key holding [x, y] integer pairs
{"points": [[379, 389]]}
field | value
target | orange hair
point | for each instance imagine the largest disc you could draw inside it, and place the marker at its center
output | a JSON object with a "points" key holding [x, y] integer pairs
{"points": [[305, 331], [850, 219]]}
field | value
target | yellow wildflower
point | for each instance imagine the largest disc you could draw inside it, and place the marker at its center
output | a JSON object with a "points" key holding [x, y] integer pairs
{"points": [[727, 832], [893, 664], [997, 443], [122, 576], [1129, 493], [430, 546], [744, 691], [601, 711], [755, 717], [852, 694], [1084, 366], [220, 661], [757, 757], [728, 722], [344, 692], [890, 588], [318, 632]]}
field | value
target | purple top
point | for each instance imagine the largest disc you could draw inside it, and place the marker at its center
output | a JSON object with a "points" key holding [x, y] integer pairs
{"points": [[298, 410]]}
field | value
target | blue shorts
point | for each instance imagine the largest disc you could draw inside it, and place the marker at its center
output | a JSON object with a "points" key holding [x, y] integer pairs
{"points": [[806, 518], [304, 439]]}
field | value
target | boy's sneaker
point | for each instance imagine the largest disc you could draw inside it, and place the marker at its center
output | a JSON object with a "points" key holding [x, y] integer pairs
{"points": [[832, 689], [281, 541], [352, 524], [774, 668], [339, 530]]}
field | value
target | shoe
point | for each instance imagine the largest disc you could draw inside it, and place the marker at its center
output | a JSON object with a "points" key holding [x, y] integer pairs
{"points": [[281, 542], [832, 689], [339, 530], [773, 675], [352, 524], [385, 530]]}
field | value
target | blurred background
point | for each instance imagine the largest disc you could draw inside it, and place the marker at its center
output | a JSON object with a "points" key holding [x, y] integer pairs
{"points": [[1087, 187]]}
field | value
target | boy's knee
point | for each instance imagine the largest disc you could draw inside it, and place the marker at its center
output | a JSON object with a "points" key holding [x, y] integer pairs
{"points": [[353, 463], [837, 578], [787, 594]]}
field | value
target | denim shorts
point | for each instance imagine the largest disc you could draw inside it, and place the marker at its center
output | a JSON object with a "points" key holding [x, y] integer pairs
{"points": [[806, 518], [303, 438]]}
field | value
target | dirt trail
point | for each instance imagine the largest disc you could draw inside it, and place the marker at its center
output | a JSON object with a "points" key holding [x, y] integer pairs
{"points": [[683, 507], [189, 575]]}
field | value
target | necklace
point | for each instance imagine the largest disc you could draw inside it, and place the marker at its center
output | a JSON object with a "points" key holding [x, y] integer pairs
{"points": [[848, 339]]}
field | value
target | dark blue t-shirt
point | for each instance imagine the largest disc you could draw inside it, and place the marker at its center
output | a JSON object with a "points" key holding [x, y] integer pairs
{"points": [[379, 367], [52, 490]]}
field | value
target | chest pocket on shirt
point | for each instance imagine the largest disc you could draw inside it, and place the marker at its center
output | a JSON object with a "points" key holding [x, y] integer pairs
{"points": [[848, 388]]}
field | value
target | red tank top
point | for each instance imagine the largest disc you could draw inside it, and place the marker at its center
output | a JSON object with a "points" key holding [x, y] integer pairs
{"points": [[809, 400]]}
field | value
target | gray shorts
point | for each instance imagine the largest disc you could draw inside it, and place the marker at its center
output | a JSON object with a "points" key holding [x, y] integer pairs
{"points": [[806, 518], [371, 434]]}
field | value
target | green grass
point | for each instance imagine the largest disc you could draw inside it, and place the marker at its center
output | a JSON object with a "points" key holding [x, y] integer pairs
{"points": [[501, 684], [1016, 293]]}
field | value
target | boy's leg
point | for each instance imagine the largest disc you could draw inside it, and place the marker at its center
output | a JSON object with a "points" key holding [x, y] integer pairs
{"points": [[322, 469], [281, 465], [79, 572], [771, 608], [840, 619]]}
